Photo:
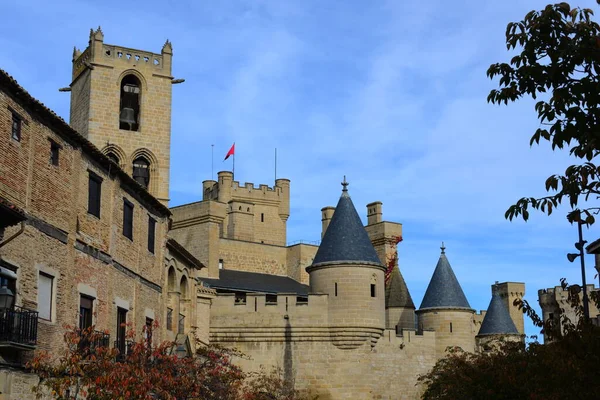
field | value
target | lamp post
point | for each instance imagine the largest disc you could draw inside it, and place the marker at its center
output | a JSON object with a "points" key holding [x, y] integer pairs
{"points": [[571, 257], [6, 296]]}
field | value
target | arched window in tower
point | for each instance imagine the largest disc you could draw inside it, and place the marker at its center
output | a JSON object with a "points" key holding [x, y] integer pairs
{"points": [[129, 115], [113, 157], [141, 171]]}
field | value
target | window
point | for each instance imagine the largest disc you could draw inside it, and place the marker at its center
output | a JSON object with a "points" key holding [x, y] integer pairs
{"points": [[121, 329], [169, 319], [221, 263], [181, 325], [151, 234], [16, 127], [262, 217], [45, 283], [54, 149], [86, 308], [94, 194], [127, 219], [141, 171], [148, 332], [335, 289], [372, 290], [113, 157], [130, 103], [450, 327]]}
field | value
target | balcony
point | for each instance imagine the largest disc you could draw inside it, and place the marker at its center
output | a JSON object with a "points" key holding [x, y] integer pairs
{"points": [[18, 328], [125, 347]]}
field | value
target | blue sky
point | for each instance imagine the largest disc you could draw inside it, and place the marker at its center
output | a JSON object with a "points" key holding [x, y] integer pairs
{"points": [[391, 94]]}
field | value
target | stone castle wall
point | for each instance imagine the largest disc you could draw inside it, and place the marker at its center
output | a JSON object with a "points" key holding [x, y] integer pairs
{"points": [[297, 339]]}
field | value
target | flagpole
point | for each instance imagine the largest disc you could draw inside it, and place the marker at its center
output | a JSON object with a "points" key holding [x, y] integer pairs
{"points": [[275, 164], [233, 172], [212, 161]]}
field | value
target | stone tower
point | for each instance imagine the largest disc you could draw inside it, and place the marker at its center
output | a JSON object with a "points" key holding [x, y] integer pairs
{"points": [[347, 269], [445, 310], [497, 323], [121, 101]]}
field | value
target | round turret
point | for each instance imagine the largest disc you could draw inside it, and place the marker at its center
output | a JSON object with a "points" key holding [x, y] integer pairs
{"points": [[446, 311], [346, 267]]}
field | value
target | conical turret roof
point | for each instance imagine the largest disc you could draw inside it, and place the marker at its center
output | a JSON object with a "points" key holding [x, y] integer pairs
{"points": [[444, 291], [497, 320], [346, 240], [396, 292]]}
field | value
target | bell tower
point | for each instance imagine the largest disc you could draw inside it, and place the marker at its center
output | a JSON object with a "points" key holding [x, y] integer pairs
{"points": [[121, 101]]}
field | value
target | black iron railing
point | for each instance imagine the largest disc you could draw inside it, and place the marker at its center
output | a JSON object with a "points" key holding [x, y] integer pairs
{"points": [[101, 339], [19, 325]]}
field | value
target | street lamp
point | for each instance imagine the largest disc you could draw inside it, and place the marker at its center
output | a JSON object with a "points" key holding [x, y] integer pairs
{"points": [[571, 257], [6, 296]]}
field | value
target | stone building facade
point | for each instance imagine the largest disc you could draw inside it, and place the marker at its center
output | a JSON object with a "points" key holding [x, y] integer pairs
{"points": [[85, 228]]}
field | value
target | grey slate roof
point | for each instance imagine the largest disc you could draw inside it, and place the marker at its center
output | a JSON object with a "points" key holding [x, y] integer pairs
{"points": [[497, 319], [255, 282], [444, 291], [396, 292], [346, 239]]}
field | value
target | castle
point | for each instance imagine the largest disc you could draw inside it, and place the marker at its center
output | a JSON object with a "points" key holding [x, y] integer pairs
{"points": [[87, 238]]}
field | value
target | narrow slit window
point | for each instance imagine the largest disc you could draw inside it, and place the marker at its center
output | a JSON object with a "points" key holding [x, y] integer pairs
{"points": [[450, 327], [262, 217], [151, 234], [335, 288], [372, 290], [127, 219], [16, 127], [54, 150]]}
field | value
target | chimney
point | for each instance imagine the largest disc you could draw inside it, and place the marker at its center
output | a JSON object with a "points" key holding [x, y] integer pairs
{"points": [[374, 212], [326, 215]]}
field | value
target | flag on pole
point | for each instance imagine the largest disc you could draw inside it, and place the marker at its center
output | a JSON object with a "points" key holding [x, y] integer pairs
{"points": [[231, 151]]}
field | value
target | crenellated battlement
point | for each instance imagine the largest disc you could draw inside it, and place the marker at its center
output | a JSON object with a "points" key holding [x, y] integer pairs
{"points": [[99, 53], [226, 189]]}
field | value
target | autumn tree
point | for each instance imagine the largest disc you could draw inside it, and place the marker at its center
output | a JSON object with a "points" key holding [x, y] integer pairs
{"points": [[90, 370], [561, 369], [557, 63]]}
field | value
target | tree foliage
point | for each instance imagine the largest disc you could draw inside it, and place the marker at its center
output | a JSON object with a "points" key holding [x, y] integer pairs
{"points": [[559, 62], [562, 369], [90, 370]]}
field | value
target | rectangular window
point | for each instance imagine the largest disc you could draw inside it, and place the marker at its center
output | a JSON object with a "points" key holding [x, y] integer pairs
{"points": [[181, 325], [372, 290], [169, 319], [121, 329], [86, 308], [16, 127], [450, 327], [54, 149], [151, 234], [94, 194], [127, 219], [148, 333], [221, 263], [335, 289], [45, 296], [262, 217]]}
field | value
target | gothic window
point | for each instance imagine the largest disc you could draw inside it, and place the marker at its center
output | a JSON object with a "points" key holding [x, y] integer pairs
{"points": [[141, 171], [171, 281], [183, 287], [129, 112], [113, 157]]}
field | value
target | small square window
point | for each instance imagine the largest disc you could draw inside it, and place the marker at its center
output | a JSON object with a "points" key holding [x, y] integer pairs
{"points": [[54, 149], [16, 126]]}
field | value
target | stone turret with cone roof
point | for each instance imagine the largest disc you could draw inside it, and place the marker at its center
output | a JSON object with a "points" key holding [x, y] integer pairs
{"points": [[445, 310], [346, 267], [497, 324]]}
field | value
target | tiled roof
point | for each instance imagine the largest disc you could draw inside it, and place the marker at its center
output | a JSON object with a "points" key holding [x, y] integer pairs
{"points": [[444, 291], [396, 292], [497, 319], [255, 282], [58, 125], [346, 240]]}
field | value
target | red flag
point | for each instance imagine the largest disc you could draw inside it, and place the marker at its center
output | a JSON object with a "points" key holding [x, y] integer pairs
{"points": [[230, 152]]}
